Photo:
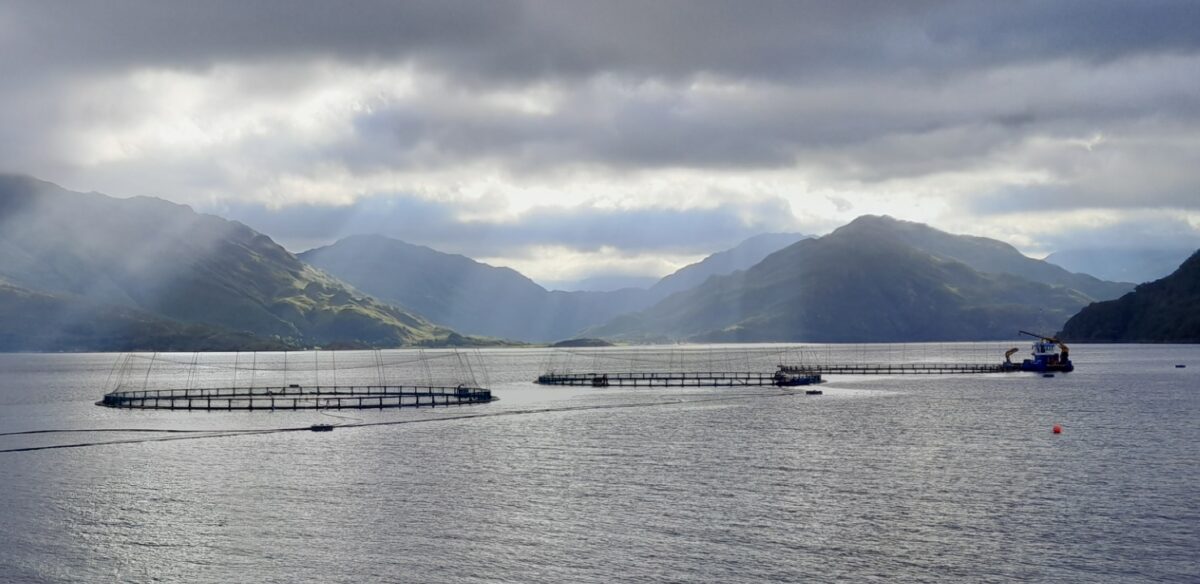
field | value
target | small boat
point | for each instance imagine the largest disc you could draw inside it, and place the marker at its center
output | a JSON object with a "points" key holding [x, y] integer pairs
{"points": [[1180, 366], [784, 379]]}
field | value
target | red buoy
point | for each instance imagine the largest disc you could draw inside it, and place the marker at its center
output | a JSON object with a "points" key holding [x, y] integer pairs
{"points": [[1057, 429]]}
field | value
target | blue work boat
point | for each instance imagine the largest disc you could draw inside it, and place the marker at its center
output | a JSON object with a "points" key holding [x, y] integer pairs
{"points": [[1050, 355]]}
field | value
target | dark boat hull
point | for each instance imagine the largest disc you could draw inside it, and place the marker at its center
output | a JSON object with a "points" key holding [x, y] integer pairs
{"points": [[1039, 366]]}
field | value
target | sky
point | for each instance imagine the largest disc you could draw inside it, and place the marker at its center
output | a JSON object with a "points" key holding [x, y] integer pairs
{"points": [[575, 139]]}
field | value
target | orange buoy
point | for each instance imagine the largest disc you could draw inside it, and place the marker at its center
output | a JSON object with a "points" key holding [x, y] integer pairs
{"points": [[1057, 429]]}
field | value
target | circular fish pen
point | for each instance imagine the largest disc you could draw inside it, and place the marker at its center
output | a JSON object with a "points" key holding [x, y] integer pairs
{"points": [[296, 398], [295, 381]]}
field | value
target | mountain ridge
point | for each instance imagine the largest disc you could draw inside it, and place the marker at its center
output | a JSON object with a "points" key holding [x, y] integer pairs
{"points": [[989, 255], [740, 257]]}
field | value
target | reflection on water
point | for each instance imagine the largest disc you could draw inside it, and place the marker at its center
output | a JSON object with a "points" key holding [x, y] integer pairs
{"points": [[952, 478]]}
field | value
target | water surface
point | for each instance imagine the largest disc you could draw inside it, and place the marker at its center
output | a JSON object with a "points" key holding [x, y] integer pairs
{"points": [[954, 478]]}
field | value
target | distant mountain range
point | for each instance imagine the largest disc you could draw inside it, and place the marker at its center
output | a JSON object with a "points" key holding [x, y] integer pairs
{"points": [[84, 271], [462, 293], [1122, 264], [144, 268], [477, 298], [875, 279], [1166, 310]]}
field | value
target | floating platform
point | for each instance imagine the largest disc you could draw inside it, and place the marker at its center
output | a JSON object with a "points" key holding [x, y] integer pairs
{"points": [[724, 367], [677, 379], [296, 397]]}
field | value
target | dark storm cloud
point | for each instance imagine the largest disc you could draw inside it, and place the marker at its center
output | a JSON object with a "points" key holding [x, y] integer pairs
{"points": [[870, 129], [520, 40], [582, 228], [619, 131]]}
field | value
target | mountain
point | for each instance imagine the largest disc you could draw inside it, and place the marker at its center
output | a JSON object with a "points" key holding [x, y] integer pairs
{"points": [[163, 259], [742, 256], [467, 295], [477, 298], [875, 279], [1126, 265], [990, 255], [1166, 310]]}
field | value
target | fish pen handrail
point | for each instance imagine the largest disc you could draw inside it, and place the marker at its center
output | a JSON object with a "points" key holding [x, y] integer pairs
{"points": [[666, 375], [680, 379]]}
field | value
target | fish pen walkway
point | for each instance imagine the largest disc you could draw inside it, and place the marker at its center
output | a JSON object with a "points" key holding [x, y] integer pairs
{"points": [[296, 398], [771, 365], [672, 379], [900, 368]]}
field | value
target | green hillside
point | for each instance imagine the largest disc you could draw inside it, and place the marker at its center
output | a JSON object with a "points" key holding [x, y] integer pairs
{"points": [[164, 259], [1166, 310]]}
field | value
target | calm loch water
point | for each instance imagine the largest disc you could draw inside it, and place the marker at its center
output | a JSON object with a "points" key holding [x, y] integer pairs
{"points": [[955, 478]]}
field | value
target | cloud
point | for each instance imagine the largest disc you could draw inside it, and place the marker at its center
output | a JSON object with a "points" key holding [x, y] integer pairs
{"points": [[515, 41], [571, 127]]}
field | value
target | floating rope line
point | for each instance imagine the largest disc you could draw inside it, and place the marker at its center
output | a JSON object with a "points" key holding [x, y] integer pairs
{"points": [[206, 434]]}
